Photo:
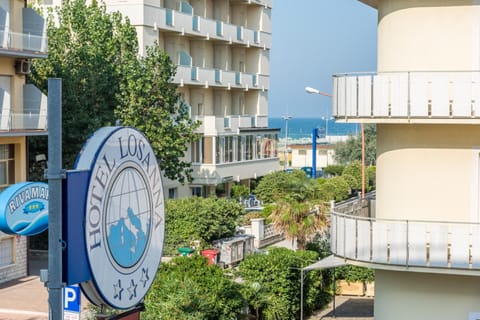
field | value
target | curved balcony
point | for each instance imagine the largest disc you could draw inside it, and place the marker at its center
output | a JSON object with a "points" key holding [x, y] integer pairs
{"points": [[425, 246], [402, 97]]}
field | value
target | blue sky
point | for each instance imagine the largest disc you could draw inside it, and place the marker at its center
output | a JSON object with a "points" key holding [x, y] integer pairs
{"points": [[329, 37]]}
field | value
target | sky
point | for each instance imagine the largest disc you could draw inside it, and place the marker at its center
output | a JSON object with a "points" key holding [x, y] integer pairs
{"points": [[311, 41]]}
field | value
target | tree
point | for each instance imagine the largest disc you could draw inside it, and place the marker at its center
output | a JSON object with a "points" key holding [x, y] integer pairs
{"points": [[189, 288], [351, 149], [96, 55], [272, 283], [200, 219], [277, 183]]}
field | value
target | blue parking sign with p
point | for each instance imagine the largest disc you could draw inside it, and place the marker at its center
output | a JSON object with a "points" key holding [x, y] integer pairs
{"points": [[71, 298]]}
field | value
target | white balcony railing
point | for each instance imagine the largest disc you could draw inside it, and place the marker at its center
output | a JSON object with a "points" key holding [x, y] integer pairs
{"points": [[218, 78], [406, 243], [215, 124], [23, 42], [416, 96]]}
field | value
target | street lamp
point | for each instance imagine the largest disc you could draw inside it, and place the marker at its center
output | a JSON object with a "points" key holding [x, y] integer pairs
{"points": [[286, 118]]}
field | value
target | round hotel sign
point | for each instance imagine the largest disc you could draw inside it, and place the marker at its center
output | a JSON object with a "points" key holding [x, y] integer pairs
{"points": [[124, 216]]}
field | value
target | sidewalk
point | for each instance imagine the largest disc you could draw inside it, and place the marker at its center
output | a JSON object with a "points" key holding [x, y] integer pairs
{"points": [[23, 299], [347, 308]]}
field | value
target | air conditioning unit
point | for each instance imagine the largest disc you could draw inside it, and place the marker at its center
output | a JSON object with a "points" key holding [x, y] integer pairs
{"points": [[22, 66]]}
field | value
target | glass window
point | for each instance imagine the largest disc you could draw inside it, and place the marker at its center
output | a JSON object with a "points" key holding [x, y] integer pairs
{"points": [[197, 151], [240, 143], [249, 143], [218, 149], [7, 165], [197, 191], [7, 247], [172, 193], [258, 147], [228, 149]]}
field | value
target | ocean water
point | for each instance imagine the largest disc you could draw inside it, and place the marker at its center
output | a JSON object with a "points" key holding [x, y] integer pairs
{"points": [[300, 129]]}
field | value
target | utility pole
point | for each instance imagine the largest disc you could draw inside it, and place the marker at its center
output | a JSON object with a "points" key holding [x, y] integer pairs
{"points": [[55, 175], [285, 151]]}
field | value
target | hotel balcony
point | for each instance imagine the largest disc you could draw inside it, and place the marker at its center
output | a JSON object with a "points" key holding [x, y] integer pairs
{"points": [[190, 75], [265, 3], [414, 245], [31, 121], [185, 23], [408, 97], [212, 125], [30, 43]]}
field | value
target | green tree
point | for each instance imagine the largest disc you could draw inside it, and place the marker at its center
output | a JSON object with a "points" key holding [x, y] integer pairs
{"points": [[149, 102], [351, 149], [189, 288], [203, 219], [272, 283], [278, 183], [95, 53], [354, 169]]}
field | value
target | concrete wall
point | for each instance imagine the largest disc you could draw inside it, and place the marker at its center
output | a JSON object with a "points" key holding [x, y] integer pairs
{"points": [[428, 172], [420, 296], [428, 35]]}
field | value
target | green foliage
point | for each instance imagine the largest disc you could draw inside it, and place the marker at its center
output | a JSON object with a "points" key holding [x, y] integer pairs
{"points": [[95, 53], [334, 170], [201, 219], [279, 183], [337, 188], [354, 169], [351, 150], [272, 283], [189, 288], [149, 102], [351, 180], [372, 177], [240, 191], [351, 273]]}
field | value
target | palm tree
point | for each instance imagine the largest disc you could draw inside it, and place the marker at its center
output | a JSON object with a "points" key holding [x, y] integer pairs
{"points": [[298, 213]]}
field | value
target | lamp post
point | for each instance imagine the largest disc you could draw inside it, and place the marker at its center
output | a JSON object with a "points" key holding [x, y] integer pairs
{"points": [[311, 90], [286, 118]]}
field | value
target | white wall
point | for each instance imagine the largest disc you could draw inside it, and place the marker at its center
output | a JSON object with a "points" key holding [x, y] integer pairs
{"points": [[422, 296]]}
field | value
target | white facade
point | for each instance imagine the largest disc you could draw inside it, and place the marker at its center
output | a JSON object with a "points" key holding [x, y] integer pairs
{"points": [[221, 48], [425, 237]]}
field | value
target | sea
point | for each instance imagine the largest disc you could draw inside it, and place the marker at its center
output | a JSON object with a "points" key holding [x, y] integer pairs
{"points": [[300, 129]]}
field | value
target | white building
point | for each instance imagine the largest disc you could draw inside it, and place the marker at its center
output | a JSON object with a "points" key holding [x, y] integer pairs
{"points": [[23, 113], [222, 52], [424, 241]]}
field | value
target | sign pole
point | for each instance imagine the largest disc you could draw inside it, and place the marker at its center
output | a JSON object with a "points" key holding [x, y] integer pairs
{"points": [[55, 175]]}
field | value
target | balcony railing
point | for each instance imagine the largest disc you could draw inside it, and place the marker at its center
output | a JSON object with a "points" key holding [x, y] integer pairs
{"points": [[214, 124], [405, 243], [415, 96], [215, 77]]}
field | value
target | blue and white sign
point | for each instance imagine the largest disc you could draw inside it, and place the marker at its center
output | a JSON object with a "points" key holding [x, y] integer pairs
{"points": [[124, 216], [24, 208], [71, 302]]}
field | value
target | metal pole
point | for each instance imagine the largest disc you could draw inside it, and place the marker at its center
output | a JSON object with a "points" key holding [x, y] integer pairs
{"points": [[363, 161], [55, 176], [301, 294], [314, 152], [334, 293]]}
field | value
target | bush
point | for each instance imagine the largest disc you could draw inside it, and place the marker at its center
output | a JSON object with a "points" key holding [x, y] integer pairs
{"points": [[199, 219], [272, 283], [351, 273], [189, 288]]}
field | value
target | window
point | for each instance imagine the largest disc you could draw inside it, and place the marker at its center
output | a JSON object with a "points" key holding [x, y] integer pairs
{"points": [[218, 149], [7, 249], [240, 143], [196, 148], [7, 165], [228, 149], [249, 144], [302, 152], [197, 191], [172, 193], [258, 147]]}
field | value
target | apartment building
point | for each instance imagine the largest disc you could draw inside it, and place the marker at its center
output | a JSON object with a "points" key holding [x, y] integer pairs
{"points": [[23, 112], [222, 52], [424, 242]]}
